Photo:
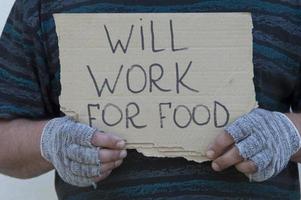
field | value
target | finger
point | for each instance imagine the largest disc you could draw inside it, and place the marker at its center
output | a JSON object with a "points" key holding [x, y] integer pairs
{"points": [[102, 176], [246, 167], [250, 146], [221, 143], [84, 170], [82, 134], [78, 181], [228, 159], [107, 155], [110, 166], [107, 141], [241, 128], [262, 160], [82, 154], [264, 171]]}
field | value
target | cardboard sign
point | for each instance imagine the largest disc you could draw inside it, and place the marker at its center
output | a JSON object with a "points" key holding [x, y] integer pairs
{"points": [[168, 83]]}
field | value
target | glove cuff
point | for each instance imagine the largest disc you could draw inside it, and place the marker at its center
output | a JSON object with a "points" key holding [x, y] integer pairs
{"points": [[295, 137], [48, 136]]}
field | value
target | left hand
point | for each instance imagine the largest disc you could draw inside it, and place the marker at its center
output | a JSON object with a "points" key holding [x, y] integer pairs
{"points": [[259, 144]]}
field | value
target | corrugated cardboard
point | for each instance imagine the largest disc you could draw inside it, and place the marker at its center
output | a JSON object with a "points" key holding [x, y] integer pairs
{"points": [[175, 79]]}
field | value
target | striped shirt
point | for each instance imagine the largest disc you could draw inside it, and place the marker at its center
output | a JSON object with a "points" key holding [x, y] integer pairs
{"points": [[30, 87]]}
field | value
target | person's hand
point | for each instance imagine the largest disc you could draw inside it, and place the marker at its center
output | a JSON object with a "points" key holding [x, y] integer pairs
{"points": [[80, 154], [259, 144]]}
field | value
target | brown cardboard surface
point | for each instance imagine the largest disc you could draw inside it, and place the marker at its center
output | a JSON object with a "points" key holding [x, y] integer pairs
{"points": [[175, 79]]}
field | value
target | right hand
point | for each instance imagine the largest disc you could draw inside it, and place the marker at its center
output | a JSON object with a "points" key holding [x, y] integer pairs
{"points": [[259, 144], [80, 154]]}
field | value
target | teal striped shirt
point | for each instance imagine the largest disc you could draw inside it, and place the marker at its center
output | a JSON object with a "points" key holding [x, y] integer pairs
{"points": [[30, 87]]}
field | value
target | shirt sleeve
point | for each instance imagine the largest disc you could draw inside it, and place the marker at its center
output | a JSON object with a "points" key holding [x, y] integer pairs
{"points": [[20, 92]]}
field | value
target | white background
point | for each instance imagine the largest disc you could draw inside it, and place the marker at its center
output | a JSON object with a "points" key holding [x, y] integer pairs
{"points": [[5, 6], [41, 188], [33, 189]]}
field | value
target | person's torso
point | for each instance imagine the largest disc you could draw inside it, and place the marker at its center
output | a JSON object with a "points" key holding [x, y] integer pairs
{"points": [[277, 50]]}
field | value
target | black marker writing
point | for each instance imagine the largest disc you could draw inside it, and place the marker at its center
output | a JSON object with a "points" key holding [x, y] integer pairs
{"points": [[179, 78], [119, 43], [130, 117], [105, 83]]}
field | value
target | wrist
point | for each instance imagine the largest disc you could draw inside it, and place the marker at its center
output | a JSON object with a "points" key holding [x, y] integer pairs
{"points": [[296, 120], [45, 139], [48, 137]]}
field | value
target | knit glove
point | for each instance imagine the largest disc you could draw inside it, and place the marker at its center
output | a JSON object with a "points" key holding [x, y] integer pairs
{"points": [[269, 139], [67, 145]]}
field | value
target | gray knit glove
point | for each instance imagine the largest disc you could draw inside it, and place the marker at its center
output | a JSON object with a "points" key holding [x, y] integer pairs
{"points": [[67, 145], [269, 139]]}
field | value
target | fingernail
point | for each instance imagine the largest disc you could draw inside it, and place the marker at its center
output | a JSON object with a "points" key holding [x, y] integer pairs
{"points": [[123, 154], [210, 154], [121, 144], [215, 167]]}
